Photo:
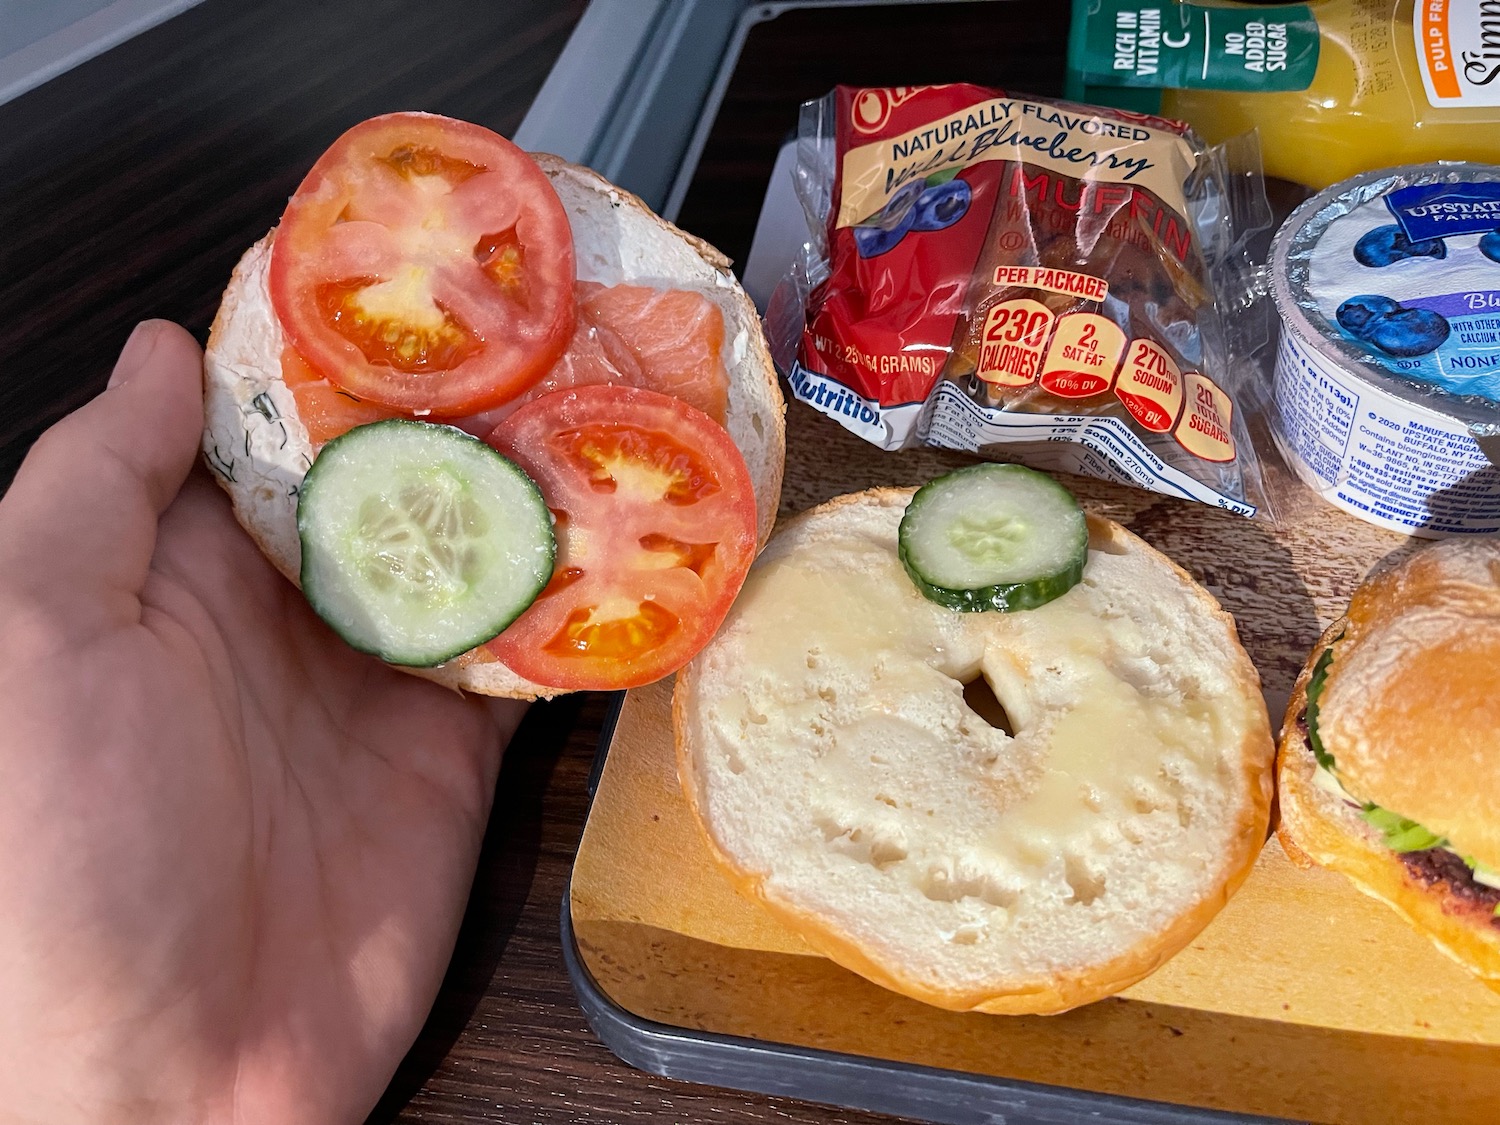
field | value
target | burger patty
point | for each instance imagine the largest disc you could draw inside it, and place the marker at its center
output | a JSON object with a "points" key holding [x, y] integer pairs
{"points": [[1439, 870]]}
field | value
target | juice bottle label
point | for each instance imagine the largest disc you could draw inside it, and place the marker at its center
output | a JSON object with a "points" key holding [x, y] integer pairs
{"points": [[1184, 46], [1458, 51]]}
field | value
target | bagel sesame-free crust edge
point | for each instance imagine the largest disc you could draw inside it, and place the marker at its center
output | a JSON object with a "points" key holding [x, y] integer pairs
{"points": [[1236, 838]]}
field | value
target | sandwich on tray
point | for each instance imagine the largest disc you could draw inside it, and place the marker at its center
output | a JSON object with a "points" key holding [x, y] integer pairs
{"points": [[1389, 770], [503, 424]]}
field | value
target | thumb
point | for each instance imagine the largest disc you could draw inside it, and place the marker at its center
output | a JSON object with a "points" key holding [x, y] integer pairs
{"points": [[78, 526]]}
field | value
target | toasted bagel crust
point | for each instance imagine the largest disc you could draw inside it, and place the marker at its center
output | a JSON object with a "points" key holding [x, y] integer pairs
{"points": [[903, 953], [260, 450], [1411, 707], [1395, 752]]}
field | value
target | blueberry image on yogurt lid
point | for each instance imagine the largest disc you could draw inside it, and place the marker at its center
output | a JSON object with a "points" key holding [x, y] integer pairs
{"points": [[1391, 327], [1407, 332], [1387, 245], [1489, 245], [1355, 314]]}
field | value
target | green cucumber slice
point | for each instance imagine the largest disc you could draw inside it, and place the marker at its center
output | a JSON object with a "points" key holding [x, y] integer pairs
{"points": [[419, 541], [994, 537]]}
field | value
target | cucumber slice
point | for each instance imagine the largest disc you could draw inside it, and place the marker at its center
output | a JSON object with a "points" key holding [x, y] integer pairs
{"points": [[994, 537], [420, 542]]}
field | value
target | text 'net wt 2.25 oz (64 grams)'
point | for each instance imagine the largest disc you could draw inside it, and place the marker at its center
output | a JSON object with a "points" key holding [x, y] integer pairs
{"points": [[1025, 279]]}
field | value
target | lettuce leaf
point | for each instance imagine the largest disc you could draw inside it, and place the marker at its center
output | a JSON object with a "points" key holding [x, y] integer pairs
{"points": [[1314, 691], [1401, 834]]}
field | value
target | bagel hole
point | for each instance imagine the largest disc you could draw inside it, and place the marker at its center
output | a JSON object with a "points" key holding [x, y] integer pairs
{"points": [[979, 697]]}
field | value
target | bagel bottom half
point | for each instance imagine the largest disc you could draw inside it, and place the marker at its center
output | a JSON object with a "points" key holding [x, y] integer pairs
{"points": [[826, 745], [260, 449]]}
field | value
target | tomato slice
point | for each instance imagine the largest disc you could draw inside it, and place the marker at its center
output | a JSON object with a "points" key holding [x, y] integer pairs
{"points": [[425, 265], [655, 529]]}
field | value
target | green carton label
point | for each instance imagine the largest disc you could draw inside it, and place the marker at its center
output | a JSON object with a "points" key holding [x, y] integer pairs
{"points": [[1181, 45]]}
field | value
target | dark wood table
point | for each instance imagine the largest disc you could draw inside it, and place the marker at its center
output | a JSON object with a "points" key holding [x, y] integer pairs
{"points": [[128, 188]]}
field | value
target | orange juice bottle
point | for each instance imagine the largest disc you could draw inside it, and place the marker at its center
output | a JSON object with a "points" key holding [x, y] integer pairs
{"points": [[1334, 87]]}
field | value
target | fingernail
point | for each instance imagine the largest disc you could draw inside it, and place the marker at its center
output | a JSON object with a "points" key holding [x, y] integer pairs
{"points": [[135, 352]]}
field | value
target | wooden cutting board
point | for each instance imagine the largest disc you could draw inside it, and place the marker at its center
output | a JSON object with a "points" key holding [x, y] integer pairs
{"points": [[1303, 999]]}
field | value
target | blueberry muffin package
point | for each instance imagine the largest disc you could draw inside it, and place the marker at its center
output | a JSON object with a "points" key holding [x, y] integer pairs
{"points": [[1030, 280]]}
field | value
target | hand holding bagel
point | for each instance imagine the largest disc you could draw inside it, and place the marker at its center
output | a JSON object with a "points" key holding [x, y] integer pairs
{"points": [[236, 851]]}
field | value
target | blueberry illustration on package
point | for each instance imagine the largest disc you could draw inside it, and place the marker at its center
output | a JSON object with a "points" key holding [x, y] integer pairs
{"points": [[1489, 245], [1355, 314], [1388, 244], [941, 205], [888, 226], [1407, 332]]}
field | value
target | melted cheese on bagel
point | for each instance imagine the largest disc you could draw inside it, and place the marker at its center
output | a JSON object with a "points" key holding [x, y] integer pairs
{"points": [[826, 743]]}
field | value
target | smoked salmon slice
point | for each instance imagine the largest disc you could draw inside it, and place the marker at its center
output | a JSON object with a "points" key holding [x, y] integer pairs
{"points": [[667, 340], [675, 337], [325, 410]]}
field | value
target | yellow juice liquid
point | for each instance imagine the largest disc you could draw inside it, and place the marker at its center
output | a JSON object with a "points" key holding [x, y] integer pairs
{"points": [[1366, 107]]}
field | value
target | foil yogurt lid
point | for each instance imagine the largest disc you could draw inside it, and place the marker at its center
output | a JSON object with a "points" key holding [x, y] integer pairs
{"points": [[1395, 276]]}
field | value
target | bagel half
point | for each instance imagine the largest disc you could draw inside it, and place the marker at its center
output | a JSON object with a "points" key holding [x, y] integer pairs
{"points": [[826, 746], [1409, 710], [260, 450]]}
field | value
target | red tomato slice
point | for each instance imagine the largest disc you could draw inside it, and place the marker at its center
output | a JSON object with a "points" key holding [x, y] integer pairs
{"points": [[655, 530], [425, 265]]}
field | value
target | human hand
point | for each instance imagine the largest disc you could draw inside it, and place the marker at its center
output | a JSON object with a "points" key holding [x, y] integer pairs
{"points": [[234, 853]]}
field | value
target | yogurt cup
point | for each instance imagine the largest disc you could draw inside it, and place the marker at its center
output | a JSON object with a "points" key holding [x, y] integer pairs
{"points": [[1387, 377]]}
